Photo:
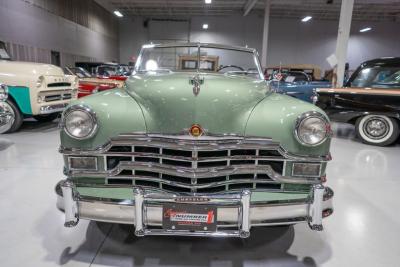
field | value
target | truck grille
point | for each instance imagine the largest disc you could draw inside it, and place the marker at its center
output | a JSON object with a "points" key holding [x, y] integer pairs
{"points": [[192, 165], [61, 84], [57, 97]]}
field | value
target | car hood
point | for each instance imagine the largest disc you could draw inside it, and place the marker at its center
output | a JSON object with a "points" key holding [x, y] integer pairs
{"points": [[29, 68], [222, 106]]}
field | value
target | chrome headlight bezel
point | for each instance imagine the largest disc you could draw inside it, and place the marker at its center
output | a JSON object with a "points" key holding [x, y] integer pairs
{"points": [[3, 92], [81, 108], [308, 115]]}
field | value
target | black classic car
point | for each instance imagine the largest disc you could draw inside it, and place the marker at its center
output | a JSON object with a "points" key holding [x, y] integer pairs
{"points": [[370, 101]]}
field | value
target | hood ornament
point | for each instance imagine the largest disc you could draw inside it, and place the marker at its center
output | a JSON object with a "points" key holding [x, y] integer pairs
{"points": [[196, 130], [196, 81]]}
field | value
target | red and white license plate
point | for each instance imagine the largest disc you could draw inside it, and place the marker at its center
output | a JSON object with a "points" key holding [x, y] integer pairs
{"points": [[190, 217]]}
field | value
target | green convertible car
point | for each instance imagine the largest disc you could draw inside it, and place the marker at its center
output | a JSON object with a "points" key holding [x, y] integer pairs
{"points": [[196, 144]]}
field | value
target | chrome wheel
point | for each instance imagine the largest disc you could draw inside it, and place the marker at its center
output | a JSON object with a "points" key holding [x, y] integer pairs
{"points": [[376, 127], [377, 130], [7, 117]]}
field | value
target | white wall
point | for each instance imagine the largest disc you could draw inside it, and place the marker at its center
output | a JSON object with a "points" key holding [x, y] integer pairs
{"points": [[29, 29], [290, 41]]}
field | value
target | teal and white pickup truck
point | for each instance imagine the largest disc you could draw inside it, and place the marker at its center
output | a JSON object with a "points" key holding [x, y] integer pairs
{"points": [[35, 90]]}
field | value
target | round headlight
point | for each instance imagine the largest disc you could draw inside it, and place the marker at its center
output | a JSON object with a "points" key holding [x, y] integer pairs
{"points": [[80, 122], [39, 81], [3, 92], [312, 129]]}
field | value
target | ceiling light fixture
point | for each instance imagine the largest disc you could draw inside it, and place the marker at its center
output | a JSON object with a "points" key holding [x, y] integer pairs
{"points": [[208, 1], [118, 14], [366, 29], [305, 19], [205, 26]]}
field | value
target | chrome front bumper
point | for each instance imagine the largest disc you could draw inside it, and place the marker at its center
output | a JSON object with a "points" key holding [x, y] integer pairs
{"points": [[236, 215], [48, 109]]}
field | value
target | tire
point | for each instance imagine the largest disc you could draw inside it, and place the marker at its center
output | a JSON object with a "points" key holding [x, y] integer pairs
{"points": [[377, 130], [14, 123], [46, 118]]}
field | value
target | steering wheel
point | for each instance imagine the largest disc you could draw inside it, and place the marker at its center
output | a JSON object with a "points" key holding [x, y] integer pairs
{"points": [[230, 66]]}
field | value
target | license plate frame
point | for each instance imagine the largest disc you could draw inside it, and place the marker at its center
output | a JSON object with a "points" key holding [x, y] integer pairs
{"points": [[189, 217]]}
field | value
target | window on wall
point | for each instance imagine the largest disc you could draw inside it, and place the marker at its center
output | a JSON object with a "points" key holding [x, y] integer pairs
{"points": [[55, 58]]}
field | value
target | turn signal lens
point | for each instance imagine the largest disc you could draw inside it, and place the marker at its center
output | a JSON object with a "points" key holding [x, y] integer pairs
{"points": [[306, 169], [82, 163]]}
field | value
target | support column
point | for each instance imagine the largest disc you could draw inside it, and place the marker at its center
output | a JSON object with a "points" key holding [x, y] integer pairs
{"points": [[346, 13], [265, 34]]}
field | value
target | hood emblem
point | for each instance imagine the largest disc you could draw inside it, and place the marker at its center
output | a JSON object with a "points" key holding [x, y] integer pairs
{"points": [[196, 130], [196, 81]]}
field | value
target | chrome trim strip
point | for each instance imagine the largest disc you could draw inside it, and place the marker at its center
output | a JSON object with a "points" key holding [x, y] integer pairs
{"points": [[194, 44], [196, 173], [203, 143], [328, 194], [52, 108]]}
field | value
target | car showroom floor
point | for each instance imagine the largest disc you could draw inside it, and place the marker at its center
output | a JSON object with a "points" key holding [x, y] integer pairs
{"points": [[363, 231]]}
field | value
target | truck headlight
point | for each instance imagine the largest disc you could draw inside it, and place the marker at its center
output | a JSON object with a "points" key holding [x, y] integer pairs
{"points": [[79, 122], [312, 128], [39, 81], [3, 92]]}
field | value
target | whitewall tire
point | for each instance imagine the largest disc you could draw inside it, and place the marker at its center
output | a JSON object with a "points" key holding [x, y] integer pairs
{"points": [[378, 130]]}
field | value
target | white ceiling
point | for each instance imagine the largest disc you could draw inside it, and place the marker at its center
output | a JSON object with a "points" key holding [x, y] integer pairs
{"points": [[377, 10]]}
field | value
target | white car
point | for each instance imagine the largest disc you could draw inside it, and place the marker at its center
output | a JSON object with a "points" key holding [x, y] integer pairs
{"points": [[35, 90]]}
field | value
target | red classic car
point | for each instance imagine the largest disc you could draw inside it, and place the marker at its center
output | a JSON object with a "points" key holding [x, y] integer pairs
{"points": [[89, 85]]}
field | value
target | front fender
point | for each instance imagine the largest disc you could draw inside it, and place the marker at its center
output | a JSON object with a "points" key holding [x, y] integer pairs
{"points": [[116, 113], [275, 117]]}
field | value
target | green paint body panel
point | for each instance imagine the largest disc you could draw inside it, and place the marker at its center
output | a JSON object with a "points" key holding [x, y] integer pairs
{"points": [[22, 98], [165, 103], [127, 193]]}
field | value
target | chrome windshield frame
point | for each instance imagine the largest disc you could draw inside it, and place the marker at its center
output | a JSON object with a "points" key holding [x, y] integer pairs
{"points": [[199, 46]]}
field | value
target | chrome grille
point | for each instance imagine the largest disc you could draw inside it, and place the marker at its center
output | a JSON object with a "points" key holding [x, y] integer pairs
{"points": [[57, 97], [193, 165]]}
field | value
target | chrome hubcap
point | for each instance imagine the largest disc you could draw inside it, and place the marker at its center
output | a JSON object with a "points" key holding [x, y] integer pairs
{"points": [[376, 128], [7, 117]]}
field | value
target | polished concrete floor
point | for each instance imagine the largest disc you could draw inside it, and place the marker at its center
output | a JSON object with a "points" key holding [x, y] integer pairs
{"points": [[363, 231]]}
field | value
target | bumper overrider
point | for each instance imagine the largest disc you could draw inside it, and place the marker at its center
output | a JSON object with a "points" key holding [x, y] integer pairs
{"points": [[238, 182]]}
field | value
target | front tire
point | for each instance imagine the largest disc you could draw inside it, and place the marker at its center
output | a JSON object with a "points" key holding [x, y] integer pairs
{"points": [[46, 118], [377, 130], [17, 118]]}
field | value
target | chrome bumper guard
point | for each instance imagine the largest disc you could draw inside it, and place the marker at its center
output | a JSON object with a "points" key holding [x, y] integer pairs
{"points": [[52, 108], [235, 214]]}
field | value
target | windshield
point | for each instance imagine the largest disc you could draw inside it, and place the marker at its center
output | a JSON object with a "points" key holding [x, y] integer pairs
{"points": [[203, 59], [110, 70], [80, 72], [377, 77]]}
